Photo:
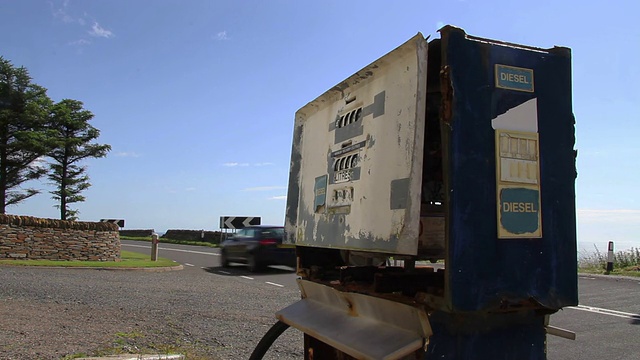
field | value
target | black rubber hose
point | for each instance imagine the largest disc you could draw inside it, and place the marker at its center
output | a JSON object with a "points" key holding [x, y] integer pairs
{"points": [[267, 340]]}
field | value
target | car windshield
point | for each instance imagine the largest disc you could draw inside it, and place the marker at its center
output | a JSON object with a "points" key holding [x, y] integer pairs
{"points": [[241, 233]]}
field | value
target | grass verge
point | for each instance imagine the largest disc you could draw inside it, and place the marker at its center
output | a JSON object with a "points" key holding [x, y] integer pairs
{"points": [[129, 259], [136, 342], [625, 263], [171, 241]]}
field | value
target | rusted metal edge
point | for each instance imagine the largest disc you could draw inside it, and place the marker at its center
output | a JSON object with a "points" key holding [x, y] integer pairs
{"points": [[359, 325], [450, 28]]}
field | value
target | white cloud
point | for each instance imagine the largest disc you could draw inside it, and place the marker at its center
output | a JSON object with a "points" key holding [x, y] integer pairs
{"points": [[99, 31], [190, 189], [609, 151], [81, 42], [609, 216], [222, 35], [127, 154], [61, 12], [264, 188], [234, 164], [281, 197], [64, 12], [64, 15], [39, 163]]}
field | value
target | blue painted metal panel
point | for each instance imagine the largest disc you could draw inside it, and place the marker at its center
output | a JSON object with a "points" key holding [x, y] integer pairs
{"points": [[482, 336], [486, 273]]}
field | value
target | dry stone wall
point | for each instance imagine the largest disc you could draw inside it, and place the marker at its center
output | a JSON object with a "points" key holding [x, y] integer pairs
{"points": [[193, 235], [25, 237]]}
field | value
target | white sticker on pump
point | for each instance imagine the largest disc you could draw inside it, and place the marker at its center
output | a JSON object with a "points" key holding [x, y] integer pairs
{"points": [[523, 117]]}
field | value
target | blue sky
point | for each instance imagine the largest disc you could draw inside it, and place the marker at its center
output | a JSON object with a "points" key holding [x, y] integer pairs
{"points": [[197, 98]]}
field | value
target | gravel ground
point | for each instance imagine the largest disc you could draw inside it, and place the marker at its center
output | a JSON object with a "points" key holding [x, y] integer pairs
{"points": [[58, 313]]}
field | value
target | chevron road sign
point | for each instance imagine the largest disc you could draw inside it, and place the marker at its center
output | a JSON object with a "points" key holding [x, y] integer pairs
{"points": [[238, 222], [119, 222]]}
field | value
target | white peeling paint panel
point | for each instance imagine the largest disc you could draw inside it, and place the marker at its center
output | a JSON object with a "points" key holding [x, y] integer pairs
{"points": [[366, 136]]}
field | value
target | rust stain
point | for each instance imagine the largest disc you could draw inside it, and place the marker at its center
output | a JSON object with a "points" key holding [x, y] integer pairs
{"points": [[352, 311], [447, 95]]}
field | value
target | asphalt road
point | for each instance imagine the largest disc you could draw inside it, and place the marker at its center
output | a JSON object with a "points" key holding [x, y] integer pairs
{"points": [[606, 323], [202, 258]]}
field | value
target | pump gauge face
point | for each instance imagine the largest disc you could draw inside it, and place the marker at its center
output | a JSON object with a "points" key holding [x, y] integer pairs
{"points": [[356, 166]]}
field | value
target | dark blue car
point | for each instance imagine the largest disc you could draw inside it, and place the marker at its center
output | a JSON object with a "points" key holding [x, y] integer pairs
{"points": [[258, 247]]}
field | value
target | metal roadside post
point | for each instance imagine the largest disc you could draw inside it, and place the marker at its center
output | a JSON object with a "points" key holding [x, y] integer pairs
{"points": [[154, 247], [455, 156], [610, 257]]}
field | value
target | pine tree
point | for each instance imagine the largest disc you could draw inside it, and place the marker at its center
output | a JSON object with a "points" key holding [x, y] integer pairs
{"points": [[24, 138], [72, 144]]}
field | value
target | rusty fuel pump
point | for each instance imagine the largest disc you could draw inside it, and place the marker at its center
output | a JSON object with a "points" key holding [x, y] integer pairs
{"points": [[432, 204]]}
